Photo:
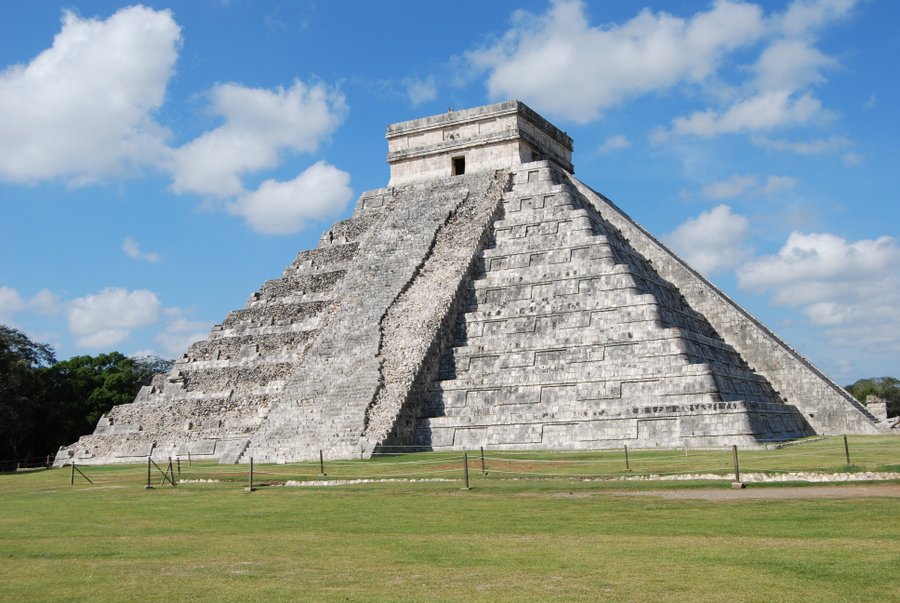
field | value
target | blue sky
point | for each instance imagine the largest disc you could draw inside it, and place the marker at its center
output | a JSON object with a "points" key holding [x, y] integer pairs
{"points": [[159, 162]]}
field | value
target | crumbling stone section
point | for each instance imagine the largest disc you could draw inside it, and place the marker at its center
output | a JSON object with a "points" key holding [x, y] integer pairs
{"points": [[325, 405], [419, 323]]}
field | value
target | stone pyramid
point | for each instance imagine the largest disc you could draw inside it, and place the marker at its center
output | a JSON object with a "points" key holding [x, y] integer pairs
{"points": [[486, 297]]}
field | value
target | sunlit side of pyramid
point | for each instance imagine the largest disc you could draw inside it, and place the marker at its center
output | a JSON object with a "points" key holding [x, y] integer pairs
{"points": [[484, 298]]}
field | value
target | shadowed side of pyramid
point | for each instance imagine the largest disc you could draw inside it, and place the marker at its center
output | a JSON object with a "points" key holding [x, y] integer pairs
{"points": [[484, 298]]}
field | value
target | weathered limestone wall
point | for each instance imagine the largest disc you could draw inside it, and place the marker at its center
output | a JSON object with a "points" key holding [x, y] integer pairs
{"points": [[498, 136], [824, 405], [467, 310], [571, 340]]}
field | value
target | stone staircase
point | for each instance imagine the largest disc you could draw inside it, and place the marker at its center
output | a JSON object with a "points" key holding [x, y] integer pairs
{"points": [[570, 339]]}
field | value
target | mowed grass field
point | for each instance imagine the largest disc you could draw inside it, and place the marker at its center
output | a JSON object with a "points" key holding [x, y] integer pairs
{"points": [[528, 530]]}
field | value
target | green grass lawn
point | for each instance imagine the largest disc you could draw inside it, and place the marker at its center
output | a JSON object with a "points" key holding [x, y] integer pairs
{"points": [[554, 538]]}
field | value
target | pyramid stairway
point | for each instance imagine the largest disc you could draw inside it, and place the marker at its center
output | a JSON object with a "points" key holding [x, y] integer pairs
{"points": [[571, 340]]}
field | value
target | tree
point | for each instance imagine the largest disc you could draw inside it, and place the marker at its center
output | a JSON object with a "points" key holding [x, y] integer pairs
{"points": [[21, 389], [886, 388], [84, 388], [45, 403]]}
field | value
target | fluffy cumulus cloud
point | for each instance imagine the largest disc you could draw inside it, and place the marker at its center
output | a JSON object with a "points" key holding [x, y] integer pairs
{"points": [[258, 126], [283, 207], [779, 93], [601, 67], [83, 109], [773, 63], [104, 319], [713, 241], [852, 289]]}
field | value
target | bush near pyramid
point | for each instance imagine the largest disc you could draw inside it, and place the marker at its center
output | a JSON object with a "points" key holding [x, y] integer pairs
{"points": [[486, 297]]}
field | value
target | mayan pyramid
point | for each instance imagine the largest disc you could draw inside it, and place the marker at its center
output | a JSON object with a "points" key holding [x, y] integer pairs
{"points": [[486, 297]]}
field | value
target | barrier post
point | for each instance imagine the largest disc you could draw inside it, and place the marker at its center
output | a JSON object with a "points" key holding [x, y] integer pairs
{"points": [[627, 465], [72, 479], [250, 487], [466, 470], [48, 461], [483, 472], [179, 466], [149, 486], [321, 462], [847, 451], [737, 483]]}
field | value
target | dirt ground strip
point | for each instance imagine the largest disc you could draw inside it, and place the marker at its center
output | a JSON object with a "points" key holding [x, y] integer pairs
{"points": [[848, 491]]}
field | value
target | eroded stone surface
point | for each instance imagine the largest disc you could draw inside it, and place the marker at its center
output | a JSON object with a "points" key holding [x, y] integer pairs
{"points": [[495, 301]]}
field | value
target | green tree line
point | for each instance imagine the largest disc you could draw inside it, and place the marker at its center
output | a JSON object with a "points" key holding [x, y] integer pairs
{"points": [[46, 403]]}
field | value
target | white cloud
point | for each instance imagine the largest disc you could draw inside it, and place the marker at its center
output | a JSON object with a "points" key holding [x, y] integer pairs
{"points": [[735, 186], [850, 288], [615, 143], [765, 111], [805, 17], [712, 241], [10, 303], [259, 125], [283, 207], [107, 318], [743, 185], [421, 91], [778, 95], [565, 66], [804, 147], [133, 250], [83, 109], [790, 65], [181, 332], [44, 302]]}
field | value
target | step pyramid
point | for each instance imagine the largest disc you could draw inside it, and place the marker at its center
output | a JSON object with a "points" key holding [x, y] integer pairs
{"points": [[485, 297]]}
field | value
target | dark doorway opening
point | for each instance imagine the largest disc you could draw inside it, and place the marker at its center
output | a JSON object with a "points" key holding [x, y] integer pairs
{"points": [[459, 166]]}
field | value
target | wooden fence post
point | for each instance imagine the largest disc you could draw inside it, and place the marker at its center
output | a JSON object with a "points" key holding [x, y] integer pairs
{"points": [[250, 487], [627, 465], [737, 483], [847, 451], [466, 470], [149, 485]]}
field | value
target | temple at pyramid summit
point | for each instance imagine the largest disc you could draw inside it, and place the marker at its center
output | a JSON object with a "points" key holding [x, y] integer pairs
{"points": [[484, 297]]}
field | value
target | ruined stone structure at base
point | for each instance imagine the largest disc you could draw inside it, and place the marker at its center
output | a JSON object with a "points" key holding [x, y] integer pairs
{"points": [[486, 297]]}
